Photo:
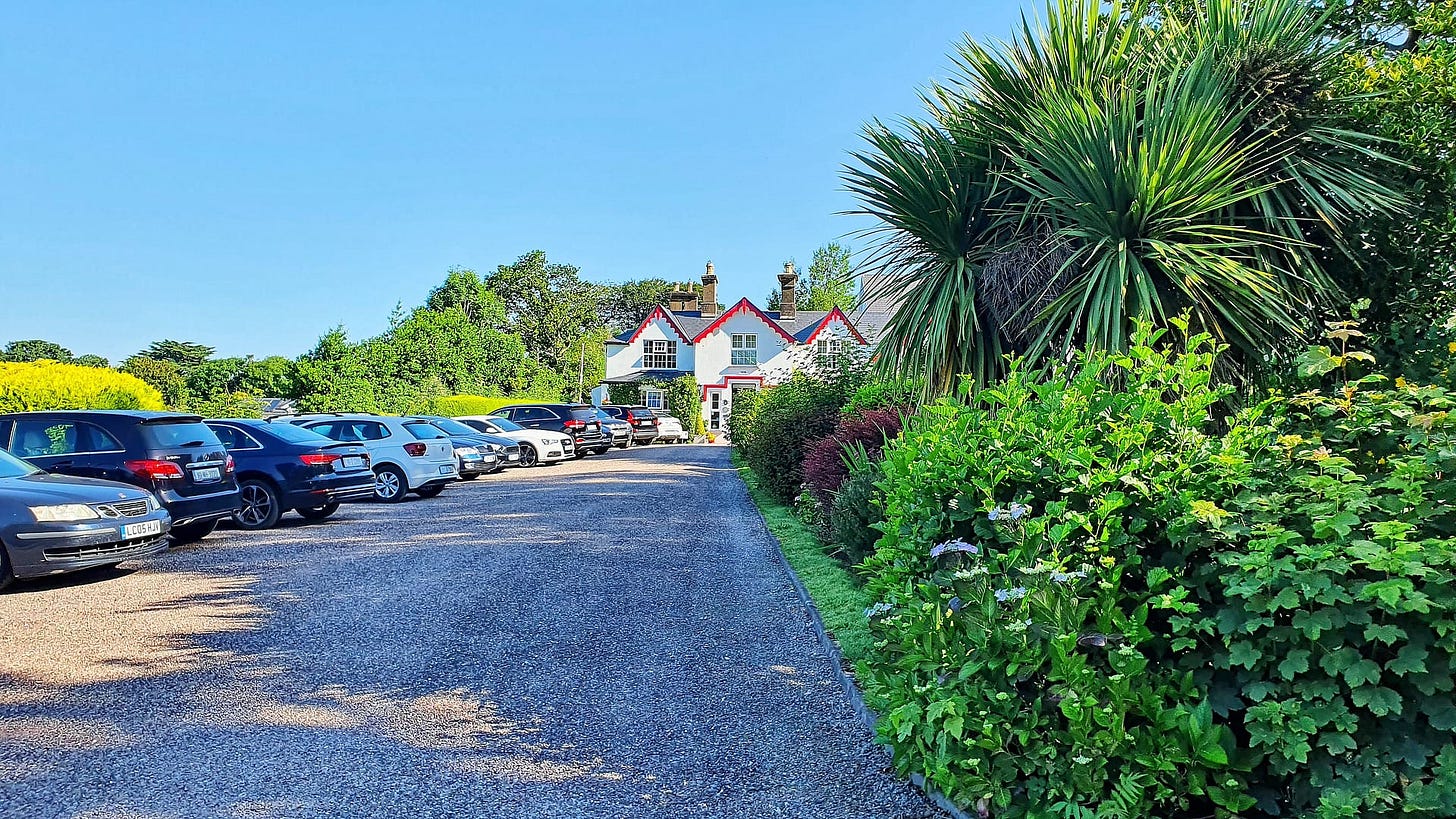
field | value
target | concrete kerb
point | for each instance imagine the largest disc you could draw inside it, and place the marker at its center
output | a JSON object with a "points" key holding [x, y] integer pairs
{"points": [[846, 683]]}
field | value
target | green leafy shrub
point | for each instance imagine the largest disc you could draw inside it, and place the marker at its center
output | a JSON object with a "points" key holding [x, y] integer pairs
{"points": [[684, 400], [885, 394], [784, 421], [1023, 664], [1323, 559], [454, 405], [857, 510], [47, 385]]}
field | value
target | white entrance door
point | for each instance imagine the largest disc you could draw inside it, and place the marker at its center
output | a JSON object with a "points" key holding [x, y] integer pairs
{"points": [[717, 409]]}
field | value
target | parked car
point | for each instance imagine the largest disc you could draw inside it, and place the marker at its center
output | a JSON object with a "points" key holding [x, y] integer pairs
{"points": [[171, 454], [58, 523], [537, 446], [670, 430], [577, 420], [406, 454], [282, 467], [502, 450], [642, 419], [620, 430]]}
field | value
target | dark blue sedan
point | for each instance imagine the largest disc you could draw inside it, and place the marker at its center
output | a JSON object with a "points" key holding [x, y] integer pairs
{"points": [[281, 466]]}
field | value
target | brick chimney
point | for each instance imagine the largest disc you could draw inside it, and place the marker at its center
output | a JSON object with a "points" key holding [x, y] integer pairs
{"points": [[682, 299], [788, 283], [708, 301]]}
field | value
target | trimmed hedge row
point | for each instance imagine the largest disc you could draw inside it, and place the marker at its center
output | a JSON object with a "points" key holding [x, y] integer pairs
{"points": [[48, 385]]}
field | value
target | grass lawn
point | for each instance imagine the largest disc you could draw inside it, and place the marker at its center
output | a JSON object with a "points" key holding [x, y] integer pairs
{"points": [[840, 600]]}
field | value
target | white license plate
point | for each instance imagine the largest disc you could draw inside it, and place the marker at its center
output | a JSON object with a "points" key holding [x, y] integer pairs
{"points": [[351, 462], [146, 527], [446, 470], [206, 475], [513, 457], [644, 423]]}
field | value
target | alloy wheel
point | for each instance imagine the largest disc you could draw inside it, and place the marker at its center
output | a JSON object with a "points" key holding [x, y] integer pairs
{"points": [[257, 506], [528, 455], [386, 485]]}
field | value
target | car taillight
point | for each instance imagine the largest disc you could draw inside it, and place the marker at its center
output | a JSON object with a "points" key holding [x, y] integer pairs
{"points": [[415, 449], [155, 470], [231, 465], [319, 460], [574, 424]]}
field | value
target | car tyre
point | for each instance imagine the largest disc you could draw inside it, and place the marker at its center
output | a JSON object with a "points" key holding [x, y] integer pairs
{"points": [[471, 476], [603, 450], [318, 512], [430, 491], [6, 575], [193, 532], [261, 509], [390, 483], [529, 455]]}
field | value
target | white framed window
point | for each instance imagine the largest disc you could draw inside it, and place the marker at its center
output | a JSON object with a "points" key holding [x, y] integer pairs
{"points": [[829, 345], [655, 399], [745, 349], [659, 355]]}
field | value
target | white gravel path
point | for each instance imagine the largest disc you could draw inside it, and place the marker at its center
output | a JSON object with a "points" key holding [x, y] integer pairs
{"points": [[606, 638]]}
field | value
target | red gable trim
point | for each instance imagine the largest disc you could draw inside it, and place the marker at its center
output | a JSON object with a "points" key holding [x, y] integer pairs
{"points": [[742, 306], [723, 385], [659, 313], [825, 323]]}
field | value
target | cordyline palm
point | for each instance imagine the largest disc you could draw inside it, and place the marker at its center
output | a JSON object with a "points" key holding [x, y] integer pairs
{"points": [[1129, 166]]}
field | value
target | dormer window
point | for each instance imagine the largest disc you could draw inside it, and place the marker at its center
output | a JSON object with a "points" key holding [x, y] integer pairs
{"points": [[745, 350], [659, 355]]}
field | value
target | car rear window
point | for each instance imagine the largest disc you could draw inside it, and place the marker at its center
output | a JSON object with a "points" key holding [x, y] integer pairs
{"points": [[179, 436], [424, 431], [583, 413], [298, 435], [453, 427], [643, 413]]}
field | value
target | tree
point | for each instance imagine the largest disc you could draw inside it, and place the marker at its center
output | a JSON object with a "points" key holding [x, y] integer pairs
{"points": [[164, 376], [1103, 168], [624, 305], [466, 291], [185, 354], [89, 360], [549, 306], [830, 280], [219, 376], [271, 377], [35, 349]]}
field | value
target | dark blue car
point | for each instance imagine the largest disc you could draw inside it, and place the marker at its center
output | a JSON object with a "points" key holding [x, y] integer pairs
{"points": [[281, 466]]}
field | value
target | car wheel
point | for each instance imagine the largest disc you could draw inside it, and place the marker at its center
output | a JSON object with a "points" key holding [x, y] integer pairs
{"points": [[318, 512], [430, 491], [625, 444], [390, 483], [260, 506], [192, 532], [470, 477], [603, 450], [6, 575], [529, 456]]}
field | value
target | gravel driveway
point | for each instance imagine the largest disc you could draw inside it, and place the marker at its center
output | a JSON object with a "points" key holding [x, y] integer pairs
{"points": [[611, 637]]}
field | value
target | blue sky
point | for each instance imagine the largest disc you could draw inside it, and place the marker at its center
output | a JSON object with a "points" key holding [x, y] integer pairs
{"points": [[250, 175]]}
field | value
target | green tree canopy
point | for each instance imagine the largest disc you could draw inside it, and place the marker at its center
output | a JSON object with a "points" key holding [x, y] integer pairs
{"points": [[35, 349], [185, 354], [90, 360], [164, 376], [549, 305], [625, 304]]}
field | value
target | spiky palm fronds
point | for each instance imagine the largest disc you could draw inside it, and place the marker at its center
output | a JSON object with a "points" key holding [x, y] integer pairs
{"points": [[933, 196]]}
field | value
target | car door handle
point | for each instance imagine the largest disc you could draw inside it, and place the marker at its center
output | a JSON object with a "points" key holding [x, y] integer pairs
{"points": [[63, 463]]}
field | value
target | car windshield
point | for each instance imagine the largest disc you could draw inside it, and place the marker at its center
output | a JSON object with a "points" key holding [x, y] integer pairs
{"points": [[506, 425], [179, 435], [13, 467], [454, 427], [298, 435]]}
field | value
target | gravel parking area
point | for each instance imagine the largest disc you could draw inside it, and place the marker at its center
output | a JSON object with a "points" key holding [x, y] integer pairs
{"points": [[609, 637]]}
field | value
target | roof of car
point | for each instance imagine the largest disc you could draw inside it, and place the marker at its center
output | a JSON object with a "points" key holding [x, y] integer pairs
{"points": [[138, 415]]}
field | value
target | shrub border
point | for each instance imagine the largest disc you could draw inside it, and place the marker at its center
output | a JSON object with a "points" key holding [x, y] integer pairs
{"points": [[831, 649]]}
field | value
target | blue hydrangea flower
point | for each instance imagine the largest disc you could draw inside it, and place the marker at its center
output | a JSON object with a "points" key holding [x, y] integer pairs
{"points": [[953, 546], [1017, 511], [955, 604], [1066, 577], [1006, 595], [877, 609], [994, 514]]}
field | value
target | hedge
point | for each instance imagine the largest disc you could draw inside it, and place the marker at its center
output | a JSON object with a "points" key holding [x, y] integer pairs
{"points": [[454, 405], [48, 385]]}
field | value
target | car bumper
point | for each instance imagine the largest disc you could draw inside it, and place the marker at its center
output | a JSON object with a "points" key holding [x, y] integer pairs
{"points": [[478, 466], [42, 549], [645, 436], [431, 473], [198, 508], [331, 489]]}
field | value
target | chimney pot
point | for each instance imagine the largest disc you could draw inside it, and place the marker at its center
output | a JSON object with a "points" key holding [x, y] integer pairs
{"points": [[708, 302]]}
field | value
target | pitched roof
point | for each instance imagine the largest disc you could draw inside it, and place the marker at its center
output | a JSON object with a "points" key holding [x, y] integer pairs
{"points": [[692, 326]]}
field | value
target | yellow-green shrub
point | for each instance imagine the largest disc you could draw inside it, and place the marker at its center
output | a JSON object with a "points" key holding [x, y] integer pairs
{"points": [[453, 405], [46, 385]]}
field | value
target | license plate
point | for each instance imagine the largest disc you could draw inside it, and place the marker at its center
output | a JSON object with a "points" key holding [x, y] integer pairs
{"points": [[207, 475], [644, 423], [146, 527], [446, 470], [351, 462], [513, 457]]}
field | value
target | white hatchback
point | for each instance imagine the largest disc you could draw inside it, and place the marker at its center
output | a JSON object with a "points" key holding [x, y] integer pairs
{"points": [[408, 454], [538, 446]]}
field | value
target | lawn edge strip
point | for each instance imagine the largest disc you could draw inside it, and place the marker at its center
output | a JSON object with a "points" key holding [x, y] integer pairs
{"points": [[800, 553]]}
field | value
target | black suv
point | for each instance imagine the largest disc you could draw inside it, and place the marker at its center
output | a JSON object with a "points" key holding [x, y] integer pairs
{"points": [[642, 419], [577, 420], [175, 456]]}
